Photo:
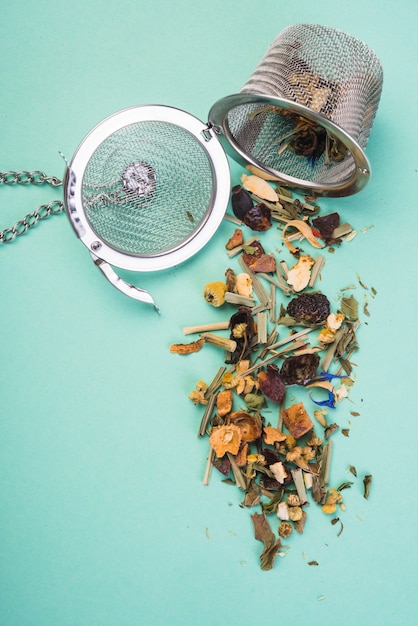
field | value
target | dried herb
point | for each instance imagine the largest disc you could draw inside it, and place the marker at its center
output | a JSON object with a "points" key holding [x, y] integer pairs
{"points": [[367, 481], [263, 533], [280, 466]]}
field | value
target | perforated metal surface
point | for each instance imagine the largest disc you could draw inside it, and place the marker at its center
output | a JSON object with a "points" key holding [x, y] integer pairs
{"points": [[147, 188], [335, 77]]}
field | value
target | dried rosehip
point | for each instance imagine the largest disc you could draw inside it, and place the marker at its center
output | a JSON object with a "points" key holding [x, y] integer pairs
{"points": [[258, 218], [311, 307], [297, 370], [326, 224], [271, 385], [241, 201], [305, 143]]}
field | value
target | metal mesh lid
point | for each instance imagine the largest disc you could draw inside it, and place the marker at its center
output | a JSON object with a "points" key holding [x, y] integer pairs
{"points": [[316, 84], [148, 187]]}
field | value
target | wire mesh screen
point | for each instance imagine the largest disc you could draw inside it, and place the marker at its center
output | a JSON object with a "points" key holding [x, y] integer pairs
{"points": [[148, 188], [336, 76]]}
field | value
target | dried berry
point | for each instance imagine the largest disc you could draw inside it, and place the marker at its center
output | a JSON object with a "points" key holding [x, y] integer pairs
{"points": [[241, 201], [311, 307], [258, 218], [305, 143], [297, 370], [326, 224], [271, 384]]}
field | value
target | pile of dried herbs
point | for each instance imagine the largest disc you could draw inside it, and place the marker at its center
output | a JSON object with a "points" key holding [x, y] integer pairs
{"points": [[283, 335]]}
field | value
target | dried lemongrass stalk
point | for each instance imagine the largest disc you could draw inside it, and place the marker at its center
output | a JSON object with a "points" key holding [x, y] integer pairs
{"points": [[316, 270], [221, 342], [233, 219], [341, 231], [209, 466], [207, 415], [216, 382], [238, 475], [297, 475], [325, 464], [261, 321], [291, 338], [190, 330], [234, 298], [272, 302]]}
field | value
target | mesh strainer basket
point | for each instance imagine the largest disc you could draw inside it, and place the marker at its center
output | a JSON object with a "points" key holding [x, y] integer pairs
{"points": [[321, 80], [149, 186]]}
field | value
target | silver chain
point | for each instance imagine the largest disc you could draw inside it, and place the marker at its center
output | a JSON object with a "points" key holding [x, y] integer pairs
{"points": [[41, 212]]}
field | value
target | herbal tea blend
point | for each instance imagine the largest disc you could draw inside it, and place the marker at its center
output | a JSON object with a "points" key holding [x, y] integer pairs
{"points": [[284, 337]]}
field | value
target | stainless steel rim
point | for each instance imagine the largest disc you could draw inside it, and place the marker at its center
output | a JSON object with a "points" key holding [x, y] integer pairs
{"points": [[186, 249], [218, 119]]}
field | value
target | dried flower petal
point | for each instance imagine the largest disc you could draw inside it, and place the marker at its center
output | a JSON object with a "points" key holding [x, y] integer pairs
{"points": [[198, 394], [225, 439], [271, 384], [297, 370], [296, 420]]}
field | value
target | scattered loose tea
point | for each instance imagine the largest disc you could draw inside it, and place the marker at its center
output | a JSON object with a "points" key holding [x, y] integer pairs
{"points": [[262, 438], [367, 481]]}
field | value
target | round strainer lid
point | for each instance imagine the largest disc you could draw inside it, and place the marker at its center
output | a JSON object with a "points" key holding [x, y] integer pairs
{"points": [[147, 188]]}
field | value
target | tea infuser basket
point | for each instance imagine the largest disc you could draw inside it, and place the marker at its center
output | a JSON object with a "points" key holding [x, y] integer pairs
{"points": [[309, 73], [149, 186]]}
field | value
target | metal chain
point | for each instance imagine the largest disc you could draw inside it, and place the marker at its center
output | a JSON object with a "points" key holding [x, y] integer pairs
{"points": [[41, 212]]}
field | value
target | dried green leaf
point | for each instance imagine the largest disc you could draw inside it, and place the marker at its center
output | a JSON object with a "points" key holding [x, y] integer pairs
{"points": [[349, 306], [346, 485], [353, 470]]}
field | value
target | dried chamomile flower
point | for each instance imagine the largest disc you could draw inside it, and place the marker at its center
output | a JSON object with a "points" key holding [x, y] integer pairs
{"points": [[225, 439], [334, 497], [299, 275], [198, 394], [296, 420], [285, 529], [293, 499], [214, 293], [332, 324], [295, 513]]}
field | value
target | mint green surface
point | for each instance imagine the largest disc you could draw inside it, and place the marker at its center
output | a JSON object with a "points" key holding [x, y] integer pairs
{"points": [[104, 520]]}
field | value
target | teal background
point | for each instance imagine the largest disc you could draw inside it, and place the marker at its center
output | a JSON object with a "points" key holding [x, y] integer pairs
{"points": [[104, 518]]}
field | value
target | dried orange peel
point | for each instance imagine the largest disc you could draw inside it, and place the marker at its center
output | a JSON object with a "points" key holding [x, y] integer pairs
{"points": [[305, 230]]}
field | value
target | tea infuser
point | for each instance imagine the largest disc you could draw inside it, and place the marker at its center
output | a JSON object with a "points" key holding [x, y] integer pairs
{"points": [[148, 187]]}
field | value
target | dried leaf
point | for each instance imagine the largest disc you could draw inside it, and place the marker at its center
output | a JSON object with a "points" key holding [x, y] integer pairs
{"points": [[367, 481], [263, 533]]}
